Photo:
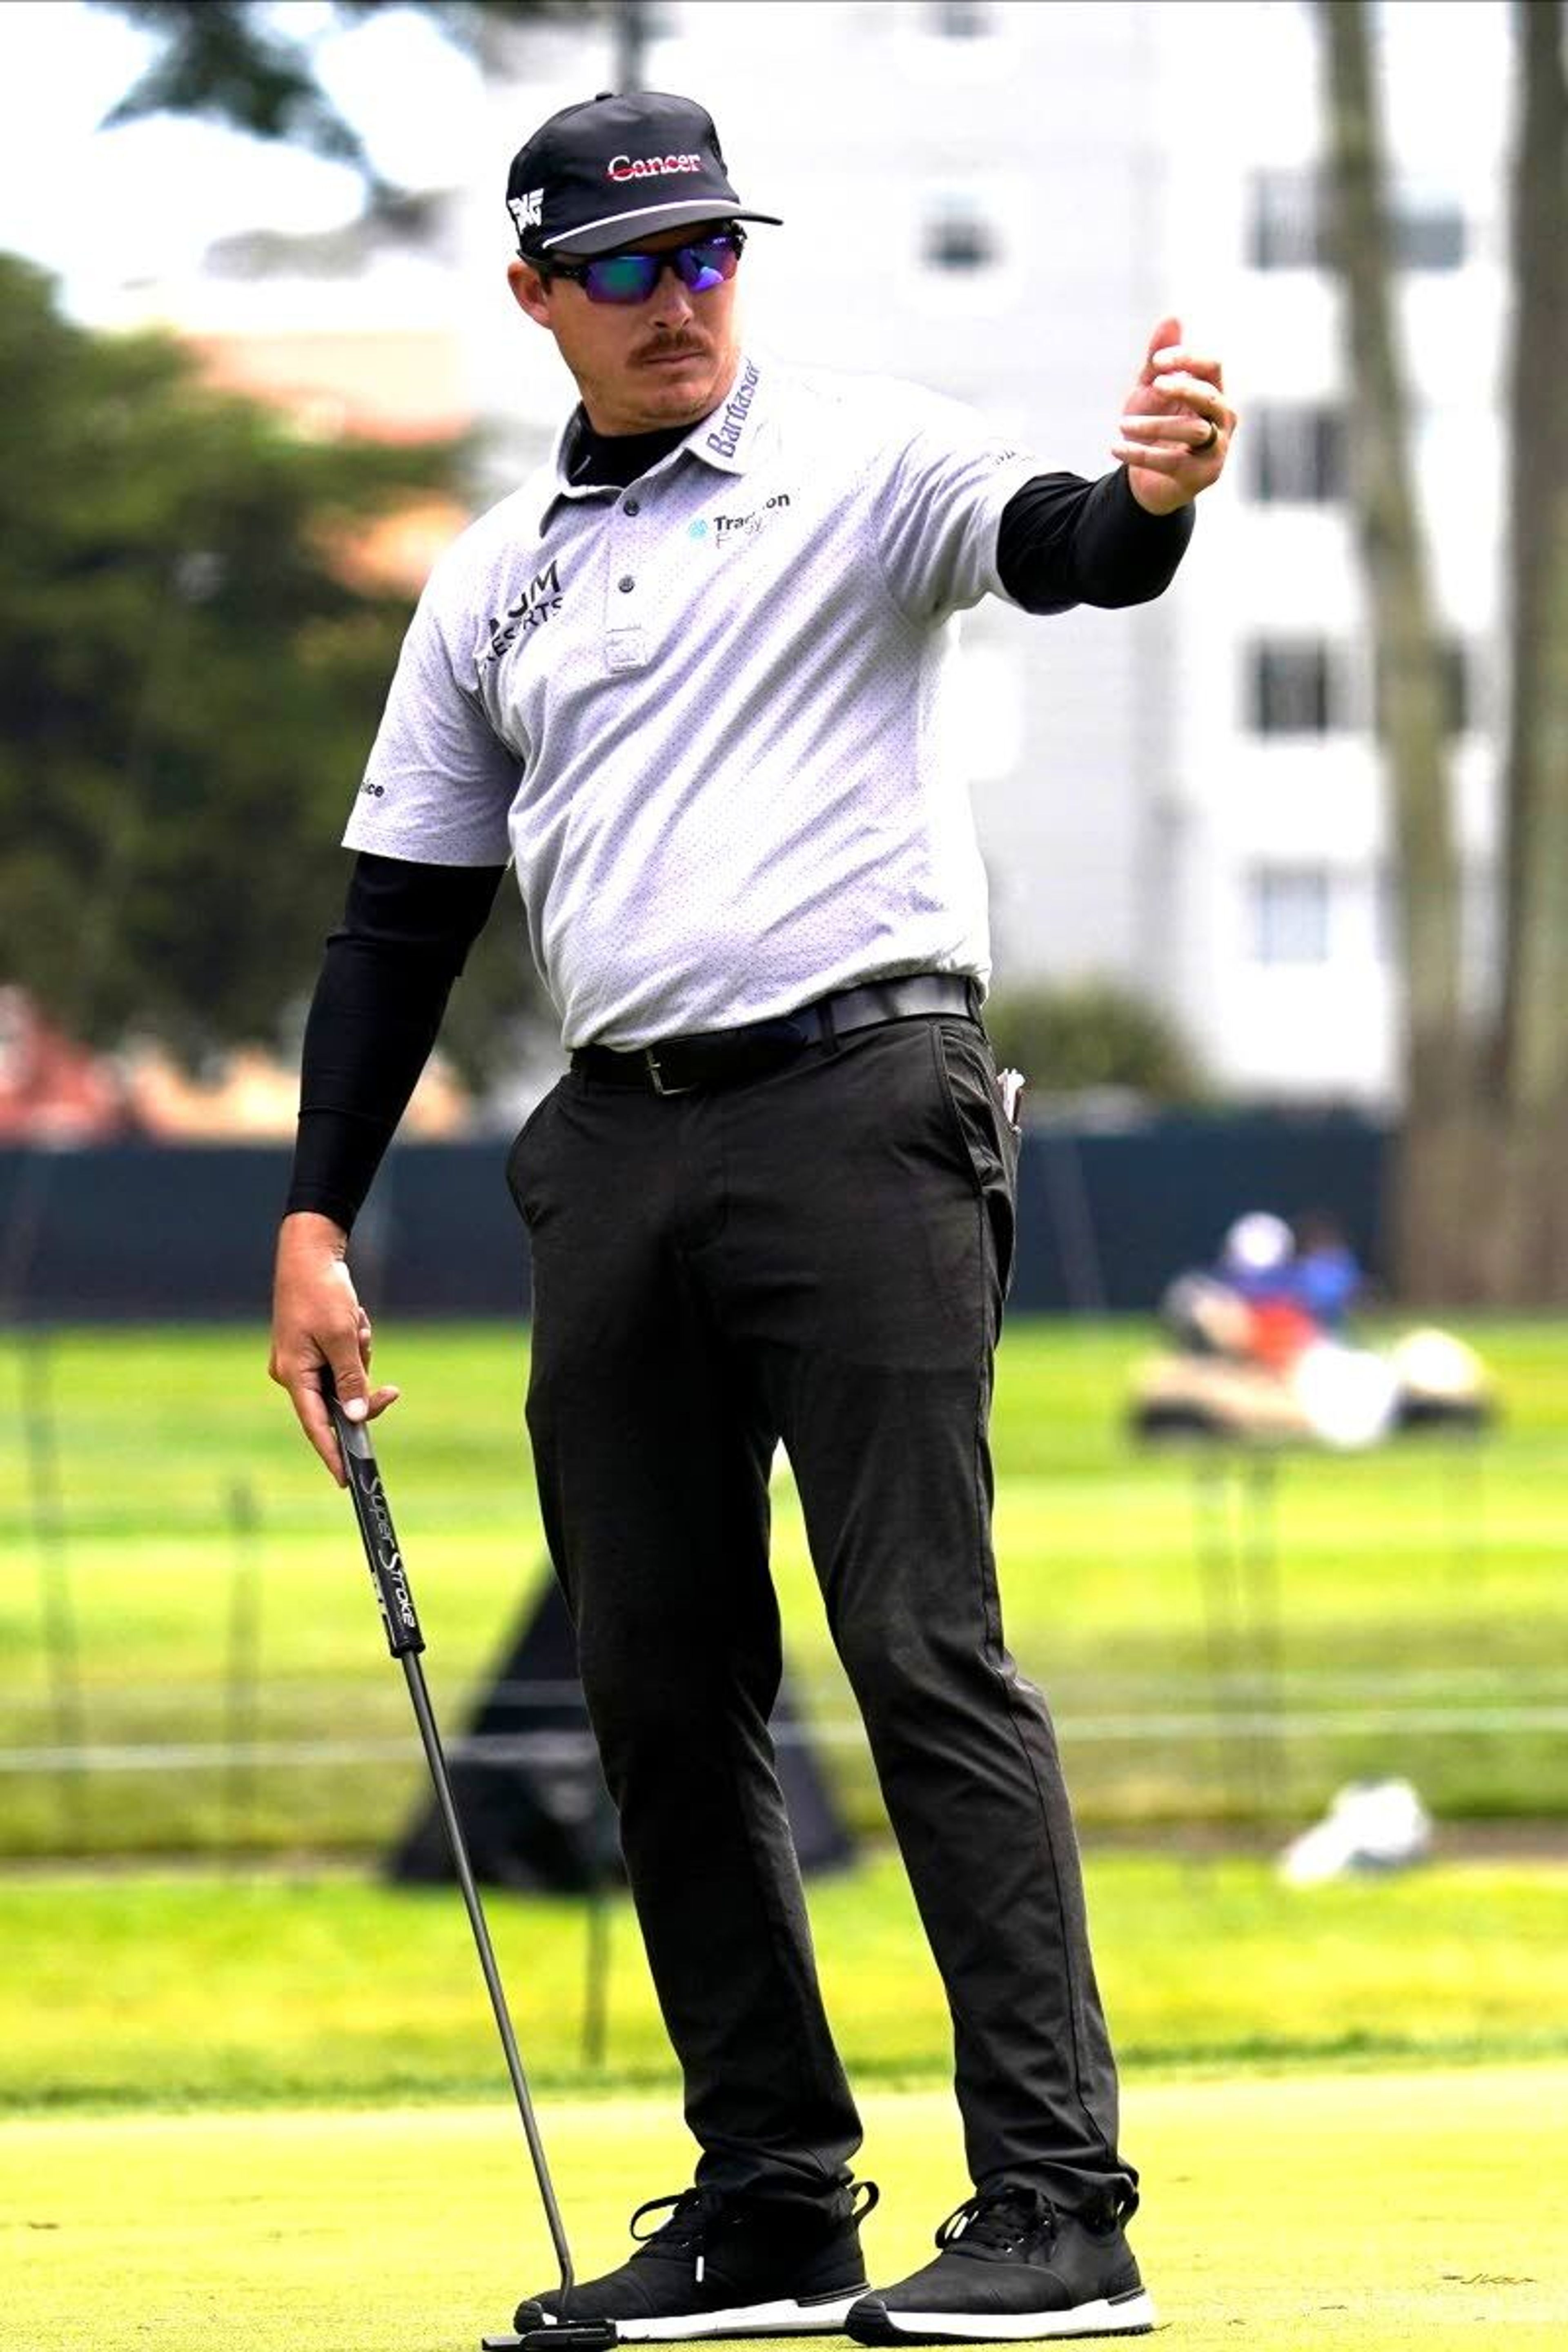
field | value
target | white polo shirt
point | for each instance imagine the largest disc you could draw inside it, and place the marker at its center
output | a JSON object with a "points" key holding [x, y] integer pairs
{"points": [[703, 714]]}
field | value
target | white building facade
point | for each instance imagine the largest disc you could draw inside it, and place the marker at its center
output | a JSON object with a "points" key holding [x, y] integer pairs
{"points": [[1279, 837]]}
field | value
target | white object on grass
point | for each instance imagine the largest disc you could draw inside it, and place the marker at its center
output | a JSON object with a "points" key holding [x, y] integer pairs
{"points": [[1348, 1395], [1370, 1825]]}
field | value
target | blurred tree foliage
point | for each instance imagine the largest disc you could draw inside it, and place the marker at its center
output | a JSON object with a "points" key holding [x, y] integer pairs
{"points": [[233, 61], [1091, 1034], [190, 679]]}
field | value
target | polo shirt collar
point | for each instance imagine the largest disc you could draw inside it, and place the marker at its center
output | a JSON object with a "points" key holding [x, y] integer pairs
{"points": [[725, 439]]}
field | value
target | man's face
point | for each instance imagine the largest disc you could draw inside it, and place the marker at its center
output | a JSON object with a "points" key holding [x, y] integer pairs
{"points": [[665, 361]]}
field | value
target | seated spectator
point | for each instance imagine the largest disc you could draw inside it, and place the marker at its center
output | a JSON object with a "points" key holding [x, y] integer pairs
{"points": [[1325, 1278]]}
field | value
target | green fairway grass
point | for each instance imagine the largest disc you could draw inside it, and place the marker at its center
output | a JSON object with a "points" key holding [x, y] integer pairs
{"points": [[1358, 2214], [1423, 1602], [134, 1987]]}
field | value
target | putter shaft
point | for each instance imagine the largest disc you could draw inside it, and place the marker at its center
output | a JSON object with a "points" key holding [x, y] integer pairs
{"points": [[405, 1641]]}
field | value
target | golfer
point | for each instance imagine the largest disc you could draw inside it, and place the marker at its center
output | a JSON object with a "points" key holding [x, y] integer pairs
{"points": [[688, 681]]}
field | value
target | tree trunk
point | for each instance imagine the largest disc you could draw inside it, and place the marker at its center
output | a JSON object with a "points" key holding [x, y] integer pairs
{"points": [[631, 37], [1431, 1167], [1528, 1256]]}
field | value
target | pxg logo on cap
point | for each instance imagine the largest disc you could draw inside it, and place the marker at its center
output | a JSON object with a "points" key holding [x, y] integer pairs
{"points": [[605, 173]]}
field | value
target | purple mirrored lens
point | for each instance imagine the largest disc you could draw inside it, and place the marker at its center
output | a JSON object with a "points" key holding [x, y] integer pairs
{"points": [[623, 276], [705, 266], [630, 278]]}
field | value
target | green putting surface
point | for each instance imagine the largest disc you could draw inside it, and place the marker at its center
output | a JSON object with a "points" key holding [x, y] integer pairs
{"points": [[1314, 2209]]}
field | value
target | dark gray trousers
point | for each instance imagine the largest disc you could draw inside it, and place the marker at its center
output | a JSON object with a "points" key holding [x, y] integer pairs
{"points": [[820, 1255]]}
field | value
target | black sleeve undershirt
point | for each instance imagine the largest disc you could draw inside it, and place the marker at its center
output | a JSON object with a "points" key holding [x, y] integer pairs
{"points": [[387, 973], [407, 927], [1065, 541]]}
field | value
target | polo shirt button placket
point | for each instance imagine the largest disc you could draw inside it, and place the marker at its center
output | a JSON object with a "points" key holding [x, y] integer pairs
{"points": [[625, 642]]}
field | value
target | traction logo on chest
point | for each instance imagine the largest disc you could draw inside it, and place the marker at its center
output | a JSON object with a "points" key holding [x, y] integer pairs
{"points": [[740, 526]]}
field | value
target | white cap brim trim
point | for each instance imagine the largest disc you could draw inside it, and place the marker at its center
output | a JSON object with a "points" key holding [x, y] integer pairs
{"points": [[613, 229]]}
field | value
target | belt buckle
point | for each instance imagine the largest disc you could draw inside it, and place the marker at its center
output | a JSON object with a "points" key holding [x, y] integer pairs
{"points": [[650, 1060]]}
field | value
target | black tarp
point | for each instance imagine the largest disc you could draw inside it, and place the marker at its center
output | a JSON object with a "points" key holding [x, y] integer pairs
{"points": [[527, 1788]]}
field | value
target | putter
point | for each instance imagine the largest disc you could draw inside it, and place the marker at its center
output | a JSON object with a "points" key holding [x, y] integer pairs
{"points": [[405, 1641]]}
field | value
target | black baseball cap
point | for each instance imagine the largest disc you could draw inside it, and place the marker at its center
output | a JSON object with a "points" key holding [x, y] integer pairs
{"points": [[603, 174]]}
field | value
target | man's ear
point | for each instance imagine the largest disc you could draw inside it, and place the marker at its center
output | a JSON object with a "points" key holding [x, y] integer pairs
{"points": [[529, 290]]}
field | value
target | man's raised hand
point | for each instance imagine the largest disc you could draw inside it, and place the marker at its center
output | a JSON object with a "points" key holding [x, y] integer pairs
{"points": [[1176, 428]]}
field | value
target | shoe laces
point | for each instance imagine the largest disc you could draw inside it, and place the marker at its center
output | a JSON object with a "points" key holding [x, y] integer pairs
{"points": [[684, 2237], [998, 2220], [694, 2212]]}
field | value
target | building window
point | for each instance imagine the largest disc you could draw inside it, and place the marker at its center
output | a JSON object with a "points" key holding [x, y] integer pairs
{"points": [[958, 235], [1287, 226], [1289, 914], [1308, 685], [1457, 688], [1385, 916], [1479, 925], [1283, 221], [1430, 235], [1295, 453], [1290, 687], [960, 20]]}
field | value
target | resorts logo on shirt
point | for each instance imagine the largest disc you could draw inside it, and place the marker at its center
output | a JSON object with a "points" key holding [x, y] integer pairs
{"points": [[539, 601]]}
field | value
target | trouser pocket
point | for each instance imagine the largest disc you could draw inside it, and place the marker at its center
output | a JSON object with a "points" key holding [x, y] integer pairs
{"points": [[966, 1070]]}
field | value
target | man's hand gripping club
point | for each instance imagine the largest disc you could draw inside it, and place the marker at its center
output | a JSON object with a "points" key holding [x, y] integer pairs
{"points": [[318, 1321]]}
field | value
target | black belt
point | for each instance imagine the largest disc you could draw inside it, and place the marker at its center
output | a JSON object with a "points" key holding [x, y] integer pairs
{"points": [[728, 1057]]}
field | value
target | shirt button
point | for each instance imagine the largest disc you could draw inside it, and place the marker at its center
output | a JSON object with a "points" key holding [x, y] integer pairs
{"points": [[632, 506], [626, 585]]}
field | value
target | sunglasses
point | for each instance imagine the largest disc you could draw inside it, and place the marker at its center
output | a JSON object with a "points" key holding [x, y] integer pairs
{"points": [[630, 278]]}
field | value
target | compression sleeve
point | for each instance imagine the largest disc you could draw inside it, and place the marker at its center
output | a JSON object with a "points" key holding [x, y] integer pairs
{"points": [[1065, 541], [385, 981]]}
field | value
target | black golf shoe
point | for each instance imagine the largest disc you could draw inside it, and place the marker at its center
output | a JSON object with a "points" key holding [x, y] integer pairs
{"points": [[725, 2265], [1011, 2270]]}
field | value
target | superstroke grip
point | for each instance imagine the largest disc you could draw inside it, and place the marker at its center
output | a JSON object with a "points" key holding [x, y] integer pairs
{"points": [[398, 1615]]}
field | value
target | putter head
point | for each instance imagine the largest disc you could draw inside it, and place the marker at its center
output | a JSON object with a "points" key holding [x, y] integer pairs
{"points": [[569, 2335]]}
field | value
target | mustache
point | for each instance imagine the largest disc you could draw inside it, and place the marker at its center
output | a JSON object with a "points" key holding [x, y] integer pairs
{"points": [[670, 347]]}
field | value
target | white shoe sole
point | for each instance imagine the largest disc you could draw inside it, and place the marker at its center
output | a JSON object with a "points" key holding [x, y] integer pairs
{"points": [[1130, 2315]]}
